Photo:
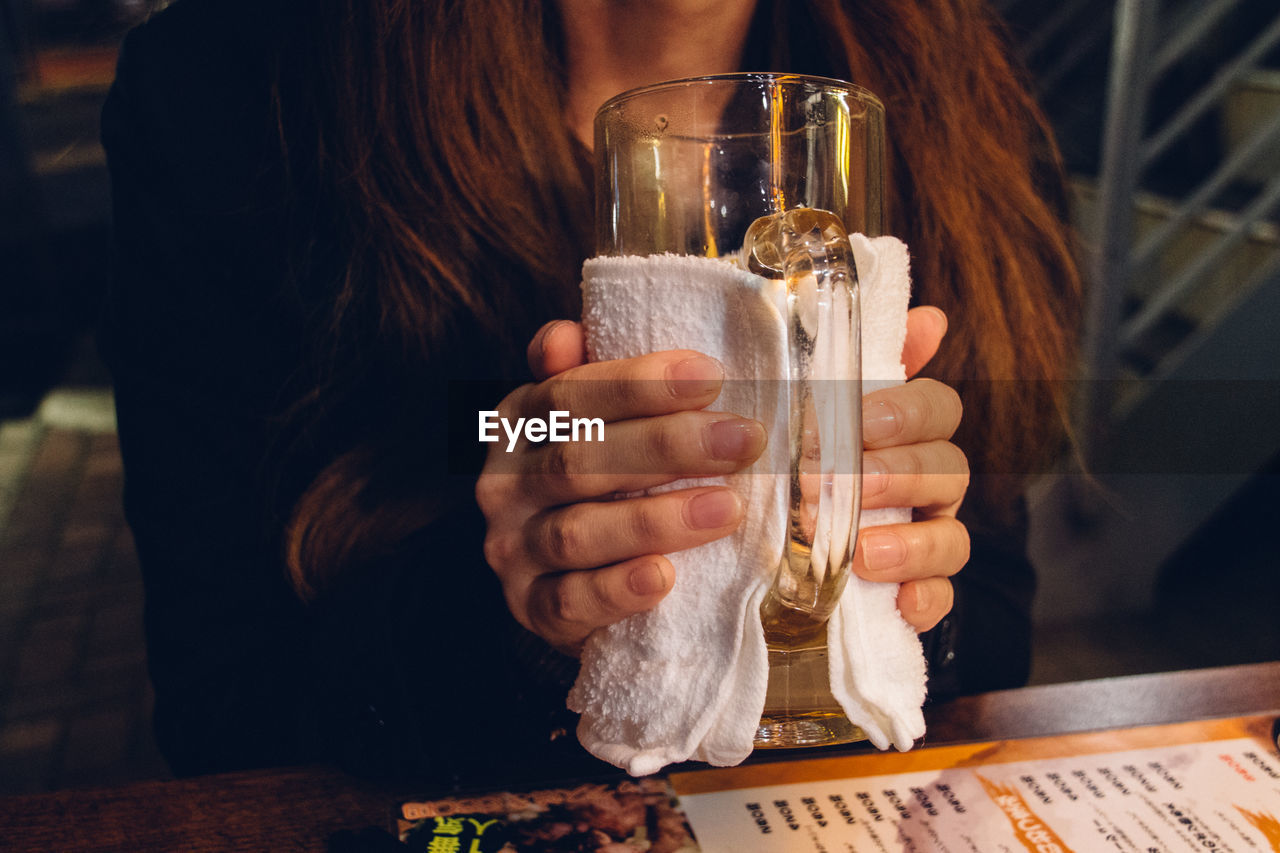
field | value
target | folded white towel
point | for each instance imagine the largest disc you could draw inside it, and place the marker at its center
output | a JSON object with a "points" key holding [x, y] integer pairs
{"points": [[877, 664], [652, 687], [687, 679]]}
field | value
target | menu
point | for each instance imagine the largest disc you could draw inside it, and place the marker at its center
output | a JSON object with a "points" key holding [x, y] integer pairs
{"points": [[1211, 785], [1204, 786]]}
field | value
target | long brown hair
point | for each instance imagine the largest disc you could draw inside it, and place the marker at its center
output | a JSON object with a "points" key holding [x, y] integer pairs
{"points": [[977, 193], [439, 133]]}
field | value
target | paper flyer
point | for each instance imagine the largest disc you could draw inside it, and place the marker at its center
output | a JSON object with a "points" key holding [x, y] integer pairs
{"points": [[622, 817], [1204, 786]]}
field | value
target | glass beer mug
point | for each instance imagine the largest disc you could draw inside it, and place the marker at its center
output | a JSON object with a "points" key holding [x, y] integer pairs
{"points": [[771, 172]]}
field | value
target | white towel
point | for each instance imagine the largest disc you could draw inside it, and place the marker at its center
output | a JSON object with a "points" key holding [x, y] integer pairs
{"points": [[877, 666], [652, 687], [687, 679]]}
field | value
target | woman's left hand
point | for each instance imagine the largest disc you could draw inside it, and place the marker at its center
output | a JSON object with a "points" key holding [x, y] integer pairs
{"points": [[909, 461]]}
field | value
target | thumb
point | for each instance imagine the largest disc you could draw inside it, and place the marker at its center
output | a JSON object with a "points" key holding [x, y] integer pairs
{"points": [[558, 346], [926, 327]]}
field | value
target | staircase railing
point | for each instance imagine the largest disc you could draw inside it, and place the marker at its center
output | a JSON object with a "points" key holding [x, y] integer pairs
{"points": [[1183, 266], [1148, 41]]}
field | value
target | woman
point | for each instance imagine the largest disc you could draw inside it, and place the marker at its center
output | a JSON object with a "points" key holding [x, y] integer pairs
{"points": [[343, 228]]}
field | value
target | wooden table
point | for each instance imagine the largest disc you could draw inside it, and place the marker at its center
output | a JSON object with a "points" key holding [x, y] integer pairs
{"points": [[298, 809]]}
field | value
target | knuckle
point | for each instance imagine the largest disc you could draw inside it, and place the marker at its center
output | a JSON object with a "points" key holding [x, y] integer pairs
{"points": [[645, 523], [605, 601], [664, 441], [491, 494], [560, 540], [923, 403], [936, 405], [568, 605], [875, 463], [561, 464], [537, 607], [947, 402], [560, 395], [913, 464], [939, 597], [492, 552], [942, 546], [571, 471], [954, 402], [906, 467], [499, 550], [926, 547], [935, 472], [616, 395]]}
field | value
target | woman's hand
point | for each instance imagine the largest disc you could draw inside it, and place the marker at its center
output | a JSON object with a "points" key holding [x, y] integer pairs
{"points": [[910, 461], [570, 556], [571, 559]]}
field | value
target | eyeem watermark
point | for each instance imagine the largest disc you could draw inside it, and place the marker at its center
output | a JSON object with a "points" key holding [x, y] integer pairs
{"points": [[557, 427]]}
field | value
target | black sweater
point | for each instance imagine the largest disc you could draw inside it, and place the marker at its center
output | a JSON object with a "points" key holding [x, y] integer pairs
{"points": [[413, 667]]}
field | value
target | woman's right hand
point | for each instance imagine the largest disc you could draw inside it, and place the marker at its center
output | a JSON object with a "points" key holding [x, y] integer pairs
{"points": [[573, 545]]}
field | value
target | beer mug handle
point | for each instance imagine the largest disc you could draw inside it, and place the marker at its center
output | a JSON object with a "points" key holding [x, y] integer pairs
{"points": [[809, 250]]}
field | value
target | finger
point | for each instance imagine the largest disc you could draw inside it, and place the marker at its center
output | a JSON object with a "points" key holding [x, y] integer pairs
{"points": [[935, 547], [639, 454], [557, 347], [930, 476], [563, 609], [644, 386], [923, 603], [589, 534], [921, 410], [926, 326]]}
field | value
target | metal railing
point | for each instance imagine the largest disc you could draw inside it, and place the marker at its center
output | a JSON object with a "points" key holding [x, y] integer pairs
{"points": [[1148, 41], [1183, 273]]}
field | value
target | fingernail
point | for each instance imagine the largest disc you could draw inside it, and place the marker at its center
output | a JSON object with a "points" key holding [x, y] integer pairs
{"points": [[883, 551], [646, 580], [713, 509], [879, 421], [875, 476], [940, 314], [922, 597], [696, 376], [547, 331], [734, 439]]}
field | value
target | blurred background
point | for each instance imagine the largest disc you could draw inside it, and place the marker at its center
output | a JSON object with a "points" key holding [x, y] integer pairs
{"points": [[74, 700], [1164, 557]]}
